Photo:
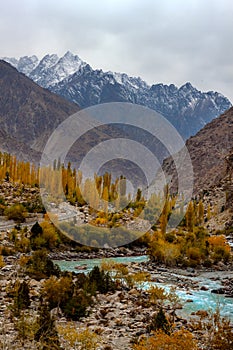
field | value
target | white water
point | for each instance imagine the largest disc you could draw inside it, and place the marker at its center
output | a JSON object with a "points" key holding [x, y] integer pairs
{"points": [[202, 300]]}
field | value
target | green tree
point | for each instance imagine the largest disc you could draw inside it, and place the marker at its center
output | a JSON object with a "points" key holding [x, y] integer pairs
{"points": [[7, 178], [160, 322], [57, 291], [102, 281], [46, 333], [21, 297], [76, 306], [36, 230]]}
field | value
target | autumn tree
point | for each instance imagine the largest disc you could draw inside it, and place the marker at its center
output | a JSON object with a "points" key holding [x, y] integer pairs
{"points": [[157, 296], [220, 248], [14, 170], [162, 251], [190, 217], [49, 234], [57, 291], [41, 266], [84, 339], [179, 340], [105, 197], [44, 235], [16, 212]]}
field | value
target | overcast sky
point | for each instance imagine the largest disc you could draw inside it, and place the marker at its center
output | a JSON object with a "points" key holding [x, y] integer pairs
{"points": [[168, 41]]}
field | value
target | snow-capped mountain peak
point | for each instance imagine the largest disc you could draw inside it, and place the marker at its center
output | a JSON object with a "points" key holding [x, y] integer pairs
{"points": [[187, 108], [48, 71], [24, 64], [53, 69], [66, 66]]}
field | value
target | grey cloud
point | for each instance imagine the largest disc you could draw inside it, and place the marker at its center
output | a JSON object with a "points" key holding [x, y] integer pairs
{"points": [[169, 41]]}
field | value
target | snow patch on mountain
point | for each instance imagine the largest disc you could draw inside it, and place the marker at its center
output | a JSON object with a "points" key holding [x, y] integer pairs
{"points": [[25, 64], [187, 108], [48, 71]]}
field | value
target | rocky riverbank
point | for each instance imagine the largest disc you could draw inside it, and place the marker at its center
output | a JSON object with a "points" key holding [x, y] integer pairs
{"points": [[194, 279], [121, 317], [70, 255], [226, 289], [124, 316]]}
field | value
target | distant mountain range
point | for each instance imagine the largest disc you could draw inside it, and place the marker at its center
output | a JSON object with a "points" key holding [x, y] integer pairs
{"points": [[187, 108]]}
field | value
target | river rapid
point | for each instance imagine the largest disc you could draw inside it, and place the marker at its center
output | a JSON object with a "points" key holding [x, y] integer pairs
{"points": [[193, 289]]}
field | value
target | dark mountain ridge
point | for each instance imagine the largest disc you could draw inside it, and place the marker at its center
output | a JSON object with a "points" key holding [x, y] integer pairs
{"points": [[187, 108]]}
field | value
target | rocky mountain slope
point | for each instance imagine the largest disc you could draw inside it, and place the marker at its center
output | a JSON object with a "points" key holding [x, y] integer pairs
{"points": [[10, 144], [211, 153], [187, 108], [28, 113], [208, 151]]}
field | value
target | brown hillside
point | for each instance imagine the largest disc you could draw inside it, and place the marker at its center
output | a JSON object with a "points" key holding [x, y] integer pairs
{"points": [[208, 150], [27, 111]]}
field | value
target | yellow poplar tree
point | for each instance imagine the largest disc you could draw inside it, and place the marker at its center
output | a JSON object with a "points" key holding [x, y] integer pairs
{"points": [[190, 217]]}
